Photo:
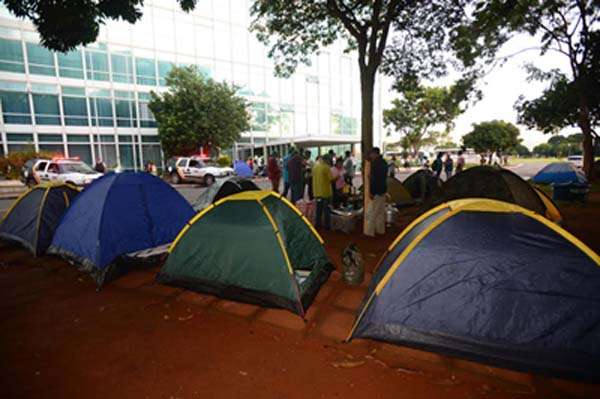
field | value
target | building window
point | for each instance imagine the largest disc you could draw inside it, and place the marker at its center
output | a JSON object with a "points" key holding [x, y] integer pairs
{"points": [[20, 137], [11, 56], [96, 65], [151, 153], [70, 65], [122, 68], [54, 149], [81, 151], [145, 71], [46, 109], [50, 138], [40, 60], [106, 150], [125, 109], [126, 155], [48, 143], [15, 107], [74, 106], [146, 116], [164, 67], [101, 111]]}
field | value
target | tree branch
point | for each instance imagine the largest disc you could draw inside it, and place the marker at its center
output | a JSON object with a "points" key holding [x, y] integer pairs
{"points": [[355, 28]]}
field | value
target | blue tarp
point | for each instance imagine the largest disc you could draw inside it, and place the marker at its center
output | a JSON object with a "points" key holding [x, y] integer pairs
{"points": [[118, 214], [495, 287], [560, 173], [242, 169]]}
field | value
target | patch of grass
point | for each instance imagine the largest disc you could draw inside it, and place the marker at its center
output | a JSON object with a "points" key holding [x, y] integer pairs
{"points": [[514, 161]]}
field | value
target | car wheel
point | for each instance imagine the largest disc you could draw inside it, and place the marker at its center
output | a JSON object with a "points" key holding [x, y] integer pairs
{"points": [[175, 179], [209, 180]]}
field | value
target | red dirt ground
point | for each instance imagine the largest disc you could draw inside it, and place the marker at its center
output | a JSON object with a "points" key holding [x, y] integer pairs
{"points": [[59, 338]]}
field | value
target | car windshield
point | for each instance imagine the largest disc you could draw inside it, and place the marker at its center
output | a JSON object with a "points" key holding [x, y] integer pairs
{"points": [[75, 168]]}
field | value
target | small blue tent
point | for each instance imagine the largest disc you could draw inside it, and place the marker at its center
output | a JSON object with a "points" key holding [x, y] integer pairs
{"points": [[118, 214], [242, 169], [560, 173], [493, 282]]}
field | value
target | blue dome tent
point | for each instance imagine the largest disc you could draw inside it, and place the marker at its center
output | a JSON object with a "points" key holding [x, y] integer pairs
{"points": [[118, 214], [560, 173], [34, 216], [242, 169], [492, 282]]}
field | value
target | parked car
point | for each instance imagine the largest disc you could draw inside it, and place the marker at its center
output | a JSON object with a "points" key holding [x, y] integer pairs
{"points": [[576, 160], [66, 170], [193, 169]]}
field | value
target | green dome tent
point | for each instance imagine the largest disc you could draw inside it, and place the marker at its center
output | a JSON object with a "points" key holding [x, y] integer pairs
{"points": [[422, 183], [254, 247], [398, 194], [221, 189], [34, 216], [494, 183]]}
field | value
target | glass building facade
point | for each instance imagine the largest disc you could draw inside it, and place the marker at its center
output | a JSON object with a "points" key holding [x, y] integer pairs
{"points": [[92, 102]]}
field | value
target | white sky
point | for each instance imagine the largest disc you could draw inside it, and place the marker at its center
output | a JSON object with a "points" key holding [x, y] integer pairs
{"points": [[503, 85]]}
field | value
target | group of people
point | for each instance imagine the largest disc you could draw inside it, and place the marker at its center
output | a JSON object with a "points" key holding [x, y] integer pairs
{"points": [[328, 180], [445, 162]]}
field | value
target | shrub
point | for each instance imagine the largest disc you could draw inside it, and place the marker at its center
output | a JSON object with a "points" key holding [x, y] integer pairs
{"points": [[224, 161], [11, 164]]}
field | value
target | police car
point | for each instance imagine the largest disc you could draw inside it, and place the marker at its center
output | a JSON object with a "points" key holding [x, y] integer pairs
{"points": [[66, 170], [195, 169]]}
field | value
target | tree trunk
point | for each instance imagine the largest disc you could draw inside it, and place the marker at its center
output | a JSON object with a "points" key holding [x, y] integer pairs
{"points": [[588, 143], [367, 88]]}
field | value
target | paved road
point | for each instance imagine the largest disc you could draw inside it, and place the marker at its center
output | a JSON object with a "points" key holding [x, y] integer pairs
{"points": [[191, 192]]}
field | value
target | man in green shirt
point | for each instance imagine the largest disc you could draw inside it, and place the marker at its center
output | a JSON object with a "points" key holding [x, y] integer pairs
{"points": [[321, 179]]}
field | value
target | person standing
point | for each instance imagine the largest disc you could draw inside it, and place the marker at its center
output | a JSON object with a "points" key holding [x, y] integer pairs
{"points": [[331, 157], [338, 173], [274, 172], [100, 167], [378, 188], [448, 166], [295, 174], [460, 162], [438, 165], [392, 167], [308, 165], [349, 168], [286, 176], [322, 178]]}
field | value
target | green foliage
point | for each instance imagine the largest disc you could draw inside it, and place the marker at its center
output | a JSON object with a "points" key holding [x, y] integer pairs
{"points": [[66, 24], [570, 28], [405, 39], [197, 111], [560, 146], [521, 150], [492, 136], [422, 108], [224, 161], [558, 106], [11, 164]]}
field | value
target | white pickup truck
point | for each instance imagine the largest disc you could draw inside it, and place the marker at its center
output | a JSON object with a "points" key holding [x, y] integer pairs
{"points": [[192, 169]]}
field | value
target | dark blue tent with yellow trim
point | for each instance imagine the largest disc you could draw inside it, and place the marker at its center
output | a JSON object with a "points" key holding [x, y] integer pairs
{"points": [[493, 282], [34, 216], [118, 214]]}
